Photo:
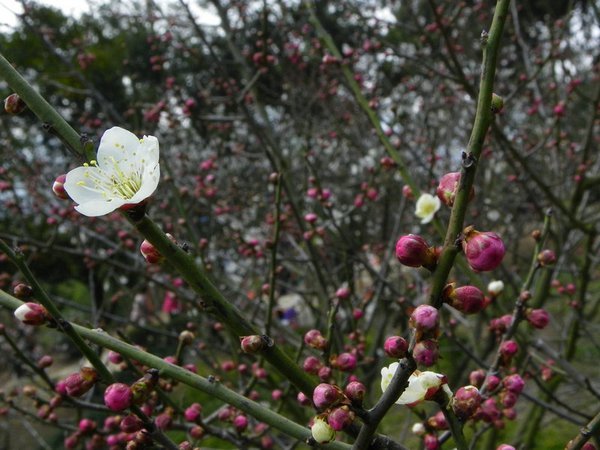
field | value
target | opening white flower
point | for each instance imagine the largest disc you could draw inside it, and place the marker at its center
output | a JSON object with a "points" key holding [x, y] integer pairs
{"points": [[421, 385], [126, 172], [427, 206], [495, 287]]}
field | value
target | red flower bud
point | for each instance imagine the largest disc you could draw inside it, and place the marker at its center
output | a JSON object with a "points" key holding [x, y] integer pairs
{"points": [[79, 383], [508, 349], [413, 251], [192, 413], [240, 422], [131, 424], [484, 250]]}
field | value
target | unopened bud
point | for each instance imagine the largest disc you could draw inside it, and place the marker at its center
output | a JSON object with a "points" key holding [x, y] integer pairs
{"points": [[356, 392], [252, 344], [58, 187], [448, 187], [425, 318], [413, 251], [497, 103], [150, 253], [32, 314], [340, 418], [13, 104], [314, 338], [465, 402], [426, 352], [467, 299], [546, 258], [484, 250], [321, 431], [23, 291], [327, 395], [395, 347]]}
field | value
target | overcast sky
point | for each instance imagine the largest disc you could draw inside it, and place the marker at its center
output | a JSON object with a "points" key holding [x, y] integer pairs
{"points": [[8, 8]]}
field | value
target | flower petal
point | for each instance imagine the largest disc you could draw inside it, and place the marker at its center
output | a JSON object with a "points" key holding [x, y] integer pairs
{"points": [[148, 150], [79, 188], [99, 208], [150, 179], [116, 144]]}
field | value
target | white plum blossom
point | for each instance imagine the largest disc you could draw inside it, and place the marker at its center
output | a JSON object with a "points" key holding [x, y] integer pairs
{"points": [[495, 287], [426, 207], [126, 172], [421, 385]]}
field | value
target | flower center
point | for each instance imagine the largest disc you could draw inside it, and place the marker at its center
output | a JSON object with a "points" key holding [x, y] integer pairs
{"points": [[112, 181]]}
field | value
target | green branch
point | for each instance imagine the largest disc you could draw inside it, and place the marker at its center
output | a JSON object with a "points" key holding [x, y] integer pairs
{"points": [[213, 388]]}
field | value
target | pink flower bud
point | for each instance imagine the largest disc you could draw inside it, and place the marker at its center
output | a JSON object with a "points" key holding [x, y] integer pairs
{"points": [[346, 362], [477, 377], [164, 421], [252, 344], [484, 250], [467, 299], [193, 412], [340, 418], [58, 187], [45, 361], [489, 411], [513, 383], [150, 253], [437, 421], [407, 192], [131, 424], [342, 293], [118, 396], [425, 318], [303, 399], [431, 442], [312, 365], [508, 349], [395, 347], [546, 257], [505, 447], [79, 383], [86, 426], [324, 373], [426, 352], [538, 318], [310, 218], [32, 314], [327, 395], [114, 357], [465, 402], [314, 338], [240, 422], [356, 392], [446, 190], [413, 251], [508, 399], [491, 383]]}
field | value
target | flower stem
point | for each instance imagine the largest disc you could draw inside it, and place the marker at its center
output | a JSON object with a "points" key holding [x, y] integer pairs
{"points": [[188, 378], [47, 114]]}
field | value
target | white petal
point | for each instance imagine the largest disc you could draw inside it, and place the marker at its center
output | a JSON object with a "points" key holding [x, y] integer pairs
{"points": [[80, 188], [148, 149], [116, 143], [150, 180], [99, 208]]}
